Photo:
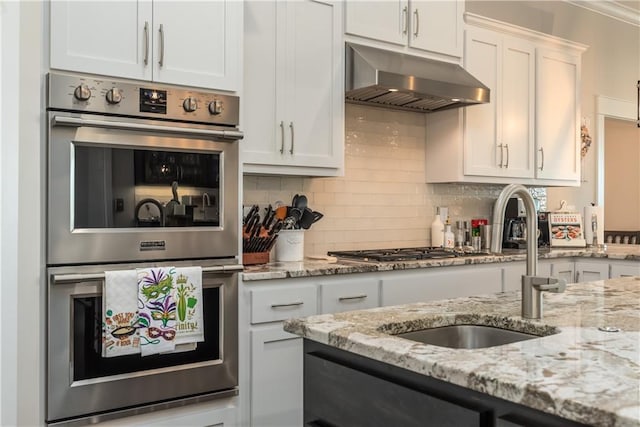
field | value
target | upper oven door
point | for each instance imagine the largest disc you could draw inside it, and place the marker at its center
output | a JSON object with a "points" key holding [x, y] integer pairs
{"points": [[122, 190]]}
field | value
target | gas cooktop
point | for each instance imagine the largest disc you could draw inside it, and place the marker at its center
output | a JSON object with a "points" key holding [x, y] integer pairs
{"points": [[398, 254]]}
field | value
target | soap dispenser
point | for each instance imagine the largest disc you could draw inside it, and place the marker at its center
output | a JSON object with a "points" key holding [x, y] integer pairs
{"points": [[437, 231]]}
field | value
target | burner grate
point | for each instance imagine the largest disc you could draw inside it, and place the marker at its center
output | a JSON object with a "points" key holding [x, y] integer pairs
{"points": [[397, 254]]}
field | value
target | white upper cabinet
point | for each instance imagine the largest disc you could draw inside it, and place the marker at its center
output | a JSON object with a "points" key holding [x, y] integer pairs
{"points": [[499, 136], [293, 101], [558, 115], [528, 133], [428, 27], [190, 43]]}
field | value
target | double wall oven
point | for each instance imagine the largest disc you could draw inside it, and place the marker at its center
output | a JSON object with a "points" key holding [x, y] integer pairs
{"points": [[139, 175]]}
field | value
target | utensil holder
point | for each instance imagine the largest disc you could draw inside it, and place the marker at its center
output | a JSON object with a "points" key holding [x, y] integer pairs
{"points": [[290, 245]]}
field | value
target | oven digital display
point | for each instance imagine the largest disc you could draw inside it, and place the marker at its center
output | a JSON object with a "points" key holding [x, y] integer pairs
{"points": [[153, 101]]}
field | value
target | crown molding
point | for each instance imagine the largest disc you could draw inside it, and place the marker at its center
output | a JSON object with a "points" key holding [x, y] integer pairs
{"points": [[610, 8]]}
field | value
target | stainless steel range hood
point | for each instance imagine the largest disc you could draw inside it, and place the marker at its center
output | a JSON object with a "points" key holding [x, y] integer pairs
{"points": [[394, 80]]}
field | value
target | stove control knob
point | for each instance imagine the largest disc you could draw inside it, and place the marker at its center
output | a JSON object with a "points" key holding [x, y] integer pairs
{"points": [[215, 107], [82, 92], [190, 105], [114, 96]]}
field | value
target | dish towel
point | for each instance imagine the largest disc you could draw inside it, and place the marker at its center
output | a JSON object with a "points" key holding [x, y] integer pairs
{"points": [[188, 297], [120, 311], [156, 309]]}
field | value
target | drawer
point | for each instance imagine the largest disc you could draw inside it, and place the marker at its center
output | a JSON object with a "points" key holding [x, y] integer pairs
{"points": [[351, 295], [275, 304]]}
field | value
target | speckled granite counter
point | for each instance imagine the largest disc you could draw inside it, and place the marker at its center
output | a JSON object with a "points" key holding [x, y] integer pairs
{"points": [[579, 373], [309, 268]]}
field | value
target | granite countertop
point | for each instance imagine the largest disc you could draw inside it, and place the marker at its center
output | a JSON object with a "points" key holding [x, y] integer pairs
{"points": [[320, 267], [579, 373]]}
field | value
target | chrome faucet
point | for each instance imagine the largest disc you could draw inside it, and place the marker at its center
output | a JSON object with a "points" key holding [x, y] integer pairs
{"points": [[532, 286]]}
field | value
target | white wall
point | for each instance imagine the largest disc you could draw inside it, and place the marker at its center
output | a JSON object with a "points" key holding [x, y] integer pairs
{"points": [[22, 290], [610, 67]]}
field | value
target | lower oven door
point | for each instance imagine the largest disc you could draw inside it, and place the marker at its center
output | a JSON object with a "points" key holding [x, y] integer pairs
{"points": [[81, 383]]}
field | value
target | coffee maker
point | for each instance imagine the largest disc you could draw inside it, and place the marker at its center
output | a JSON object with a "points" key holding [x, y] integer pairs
{"points": [[514, 235]]}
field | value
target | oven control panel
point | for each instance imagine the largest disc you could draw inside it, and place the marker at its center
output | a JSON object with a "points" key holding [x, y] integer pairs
{"points": [[105, 95]]}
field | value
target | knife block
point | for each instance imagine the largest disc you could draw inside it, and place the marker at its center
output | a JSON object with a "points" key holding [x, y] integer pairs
{"points": [[253, 258]]}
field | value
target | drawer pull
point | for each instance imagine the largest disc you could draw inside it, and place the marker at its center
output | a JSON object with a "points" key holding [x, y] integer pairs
{"points": [[291, 304], [363, 296]]}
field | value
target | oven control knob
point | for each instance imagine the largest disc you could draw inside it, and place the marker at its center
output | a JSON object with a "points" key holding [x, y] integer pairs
{"points": [[215, 107], [114, 96], [82, 92], [190, 105]]}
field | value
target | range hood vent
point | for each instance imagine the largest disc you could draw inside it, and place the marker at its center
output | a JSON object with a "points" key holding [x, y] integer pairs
{"points": [[395, 80]]}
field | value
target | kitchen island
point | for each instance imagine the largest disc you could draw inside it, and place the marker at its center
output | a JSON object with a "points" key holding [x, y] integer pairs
{"points": [[574, 371]]}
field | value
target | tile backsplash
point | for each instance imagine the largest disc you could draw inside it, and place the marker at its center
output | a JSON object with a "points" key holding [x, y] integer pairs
{"points": [[382, 201]]}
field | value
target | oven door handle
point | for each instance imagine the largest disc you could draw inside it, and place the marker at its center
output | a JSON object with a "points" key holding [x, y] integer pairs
{"points": [[231, 135], [63, 279]]}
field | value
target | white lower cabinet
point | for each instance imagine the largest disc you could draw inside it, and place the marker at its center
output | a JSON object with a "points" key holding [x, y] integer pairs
{"points": [[512, 273], [625, 269], [588, 271], [216, 413], [276, 378], [403, 287]]}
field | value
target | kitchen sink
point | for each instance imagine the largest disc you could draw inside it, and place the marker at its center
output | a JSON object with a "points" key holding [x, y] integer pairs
{"points": [[467, 336]]}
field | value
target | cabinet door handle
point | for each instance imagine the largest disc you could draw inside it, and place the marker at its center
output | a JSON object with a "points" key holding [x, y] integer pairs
{"points": [[363, 296], [290, 304], [161, 60], [577, 277], [506, 165], [417, 26], [146, 43], [501, 154], [405, 20], [292, 137], [281, 137], [542, 158]]}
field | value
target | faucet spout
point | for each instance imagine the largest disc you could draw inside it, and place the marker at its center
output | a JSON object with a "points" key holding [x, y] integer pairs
{"points": [[532, 286]]}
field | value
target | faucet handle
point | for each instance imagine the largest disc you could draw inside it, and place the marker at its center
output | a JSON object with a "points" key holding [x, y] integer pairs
{"points": [[551, 284]]}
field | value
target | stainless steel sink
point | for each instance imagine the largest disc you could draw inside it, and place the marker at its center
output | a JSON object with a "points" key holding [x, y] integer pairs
{"points": [[466, 336]]}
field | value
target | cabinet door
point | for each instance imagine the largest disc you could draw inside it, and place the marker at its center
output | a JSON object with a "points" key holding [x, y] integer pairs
{"points": [[483, 59], [627, 269], [315, 95], [197, 43], [276, 378], [512, 274], [557, 116], [563, 270], [517, 97], [264, 27], [407, 287], [379, 20], [436, 26], [589, 271], [102, 37]]}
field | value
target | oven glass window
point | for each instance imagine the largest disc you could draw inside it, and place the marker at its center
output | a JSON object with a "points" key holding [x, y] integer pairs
{"points": [[87, 341], [124, 187]]}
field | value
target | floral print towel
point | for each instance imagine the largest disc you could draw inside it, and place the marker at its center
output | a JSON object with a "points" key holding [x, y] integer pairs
{"points": [[156, 309]]}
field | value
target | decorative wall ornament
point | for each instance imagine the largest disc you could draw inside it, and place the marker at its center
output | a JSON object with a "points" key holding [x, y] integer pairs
{"points": [[586, 140]]}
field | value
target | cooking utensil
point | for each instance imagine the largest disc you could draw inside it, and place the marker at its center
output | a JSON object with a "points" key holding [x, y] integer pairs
{"points": [[308, 218], [299, 201]]}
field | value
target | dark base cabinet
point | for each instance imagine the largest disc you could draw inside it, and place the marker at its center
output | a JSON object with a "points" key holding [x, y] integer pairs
{"points": [[342, 389]]}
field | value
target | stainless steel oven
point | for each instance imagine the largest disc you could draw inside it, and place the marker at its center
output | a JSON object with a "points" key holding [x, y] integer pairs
{"points": [[139, 175], [83, 387], [140, 172]]}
